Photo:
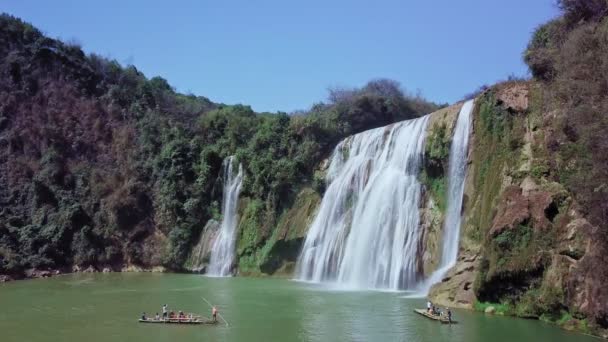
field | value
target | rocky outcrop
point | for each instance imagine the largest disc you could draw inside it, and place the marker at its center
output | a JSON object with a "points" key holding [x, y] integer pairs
{"points": [[265, 248], [431, 228], [456, 287], [198, 259]]}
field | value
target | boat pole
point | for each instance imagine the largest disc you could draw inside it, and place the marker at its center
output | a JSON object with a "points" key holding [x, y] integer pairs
{"points": [[219, 314]]}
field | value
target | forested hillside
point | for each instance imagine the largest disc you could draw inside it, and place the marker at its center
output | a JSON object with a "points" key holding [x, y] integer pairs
{"points": [[103, 167]]}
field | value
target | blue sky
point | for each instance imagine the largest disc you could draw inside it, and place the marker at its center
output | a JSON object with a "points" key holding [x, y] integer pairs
{"points": [[283, 55]]}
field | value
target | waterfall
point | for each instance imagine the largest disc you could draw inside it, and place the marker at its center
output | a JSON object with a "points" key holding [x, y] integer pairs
{"points": [[366, 232], [222, 252], [457, 172]]}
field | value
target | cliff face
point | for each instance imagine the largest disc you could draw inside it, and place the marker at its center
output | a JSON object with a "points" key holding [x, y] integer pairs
{"points": [[534, 238], [527, 246]]}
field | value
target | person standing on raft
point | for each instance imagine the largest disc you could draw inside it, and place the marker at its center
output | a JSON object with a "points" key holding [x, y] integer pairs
{"points": [[164, 311], [214, 313]]}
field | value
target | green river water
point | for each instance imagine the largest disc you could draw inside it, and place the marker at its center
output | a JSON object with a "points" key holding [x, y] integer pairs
{"points": [[105, 307]]}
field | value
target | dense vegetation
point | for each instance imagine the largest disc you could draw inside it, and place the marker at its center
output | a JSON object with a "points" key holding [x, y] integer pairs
{"points": [[103, 167]]}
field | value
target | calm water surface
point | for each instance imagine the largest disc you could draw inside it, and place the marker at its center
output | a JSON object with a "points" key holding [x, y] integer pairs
{"points": [[105, 307]]}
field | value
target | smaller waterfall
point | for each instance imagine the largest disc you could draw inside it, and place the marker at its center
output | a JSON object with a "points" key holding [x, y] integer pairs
{"points": [[456, 177], [222, 252]]}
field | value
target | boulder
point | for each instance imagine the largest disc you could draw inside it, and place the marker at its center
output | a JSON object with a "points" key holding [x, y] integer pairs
{"points": [[90, 269], [456, 287], [490, 310]]}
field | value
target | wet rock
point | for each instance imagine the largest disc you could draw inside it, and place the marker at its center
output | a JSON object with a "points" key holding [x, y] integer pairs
{"points": [[132, 268], [35, 273], [106, 270], [431, 222], [89, 269], [201, 252], [490, 310], [456, 288]]}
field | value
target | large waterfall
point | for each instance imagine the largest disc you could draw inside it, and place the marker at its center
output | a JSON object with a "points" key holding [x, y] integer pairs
{"points": [[222, 252], [365, 234]]}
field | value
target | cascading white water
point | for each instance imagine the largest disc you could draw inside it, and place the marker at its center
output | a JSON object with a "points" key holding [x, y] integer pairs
{"points": [[222, 252], [366, 234], [457, 172]]}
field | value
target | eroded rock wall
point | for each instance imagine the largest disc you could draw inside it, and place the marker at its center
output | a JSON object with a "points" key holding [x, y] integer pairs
{"points": [[525, 245]]}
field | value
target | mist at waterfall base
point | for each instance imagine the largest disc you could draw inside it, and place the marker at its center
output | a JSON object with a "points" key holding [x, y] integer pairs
{"points": [[366, 233], [222, 251]]}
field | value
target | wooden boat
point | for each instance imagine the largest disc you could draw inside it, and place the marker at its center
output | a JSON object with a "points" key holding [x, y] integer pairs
{"points": [[195, 320], [441, 319]]}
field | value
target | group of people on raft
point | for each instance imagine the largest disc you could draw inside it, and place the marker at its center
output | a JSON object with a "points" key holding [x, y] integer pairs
{"points": [[436, 311], [181, 316]]}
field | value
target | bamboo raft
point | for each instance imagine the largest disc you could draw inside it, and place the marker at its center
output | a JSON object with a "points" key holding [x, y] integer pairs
{"points": [[441, 319], [179, 321]]}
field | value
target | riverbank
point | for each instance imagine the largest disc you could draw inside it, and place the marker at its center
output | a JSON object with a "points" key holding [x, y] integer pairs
{"points": [[34, 273]]}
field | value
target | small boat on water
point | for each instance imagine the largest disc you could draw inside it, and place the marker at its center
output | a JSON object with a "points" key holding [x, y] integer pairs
{"points": [[179, 321], [442, 319]]}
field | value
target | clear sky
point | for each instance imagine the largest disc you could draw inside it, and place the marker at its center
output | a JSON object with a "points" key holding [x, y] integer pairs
{"points": [[283, 55]]}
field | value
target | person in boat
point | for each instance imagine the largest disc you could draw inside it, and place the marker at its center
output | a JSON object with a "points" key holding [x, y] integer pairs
{"points": [[181, 315], [214, 314], [143, 316], [428, 306], [171, 314], [157, 317], [165, 311]]}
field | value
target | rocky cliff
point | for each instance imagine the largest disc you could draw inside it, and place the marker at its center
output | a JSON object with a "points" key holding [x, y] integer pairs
{"points": [[526, 243], [534, 234]]}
